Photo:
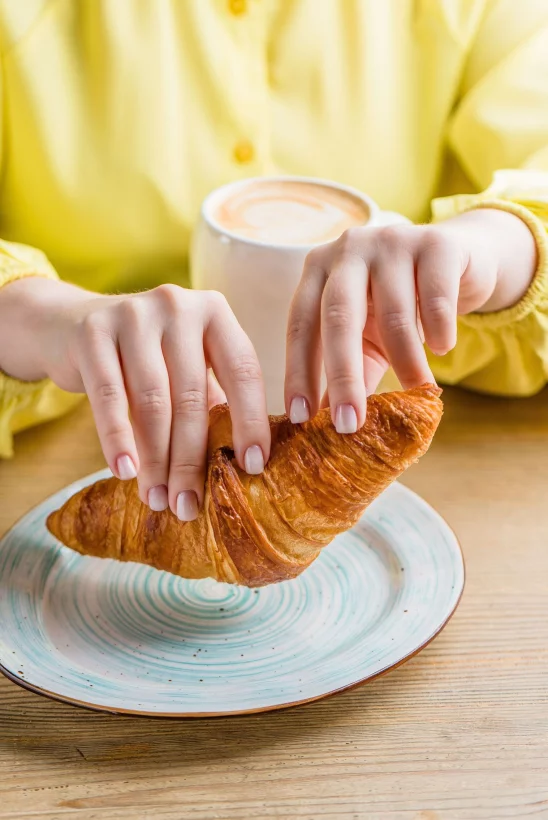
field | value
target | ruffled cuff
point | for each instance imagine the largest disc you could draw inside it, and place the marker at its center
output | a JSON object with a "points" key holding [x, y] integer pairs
{"points": [[23, 404], [18, 261]]}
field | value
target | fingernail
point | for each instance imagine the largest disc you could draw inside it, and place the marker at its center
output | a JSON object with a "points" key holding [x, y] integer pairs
{"points": [[346, 420], [125, 468], [157, 498], [187, 506], [299, 412], [254, 460]]}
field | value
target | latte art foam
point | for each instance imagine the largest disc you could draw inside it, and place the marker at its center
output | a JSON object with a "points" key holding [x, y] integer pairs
{"points": [[286, 212]]}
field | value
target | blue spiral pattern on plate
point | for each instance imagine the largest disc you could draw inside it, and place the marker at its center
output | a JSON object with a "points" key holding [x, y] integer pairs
{"points": [[125, 637]]}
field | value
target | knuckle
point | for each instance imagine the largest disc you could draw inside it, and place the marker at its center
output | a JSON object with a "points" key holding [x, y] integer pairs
{"points": [[109, 393], [297, 328], [342, 263], [153, 401], [349, 239], [93, 326], [189, 402], [438, 308], [253, 422], [168, 291], [341, 381], [169, 296], [115, 432], [245, 368], [151, 464], [391, 235], [314, 259], [396, 240], [397, 323], [217, 301], [437, 242], [337, 317], [186, 469], [131, 312]]}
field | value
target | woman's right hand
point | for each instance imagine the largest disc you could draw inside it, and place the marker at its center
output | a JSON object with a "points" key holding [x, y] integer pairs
{"points": [[143, 361]]}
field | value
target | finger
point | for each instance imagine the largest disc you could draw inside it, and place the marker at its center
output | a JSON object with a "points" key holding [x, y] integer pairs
{"points": [[438, 281], [303, 348], [104, 384], [420, 328], [375, 362], [237, 367], [147, 385], [343, 317], [215, 393], [184, 355], [375, 365], [394, 296]]}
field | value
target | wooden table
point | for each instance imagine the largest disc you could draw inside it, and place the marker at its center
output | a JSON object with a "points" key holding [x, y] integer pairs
{"points": [[461, 731]]}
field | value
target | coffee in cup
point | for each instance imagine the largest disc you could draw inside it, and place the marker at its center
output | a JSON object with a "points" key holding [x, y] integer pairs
{"points": [[251, 243], [290, 212]]}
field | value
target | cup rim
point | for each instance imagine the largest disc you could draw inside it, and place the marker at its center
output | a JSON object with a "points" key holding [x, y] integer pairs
{"points": [[218, 193]]}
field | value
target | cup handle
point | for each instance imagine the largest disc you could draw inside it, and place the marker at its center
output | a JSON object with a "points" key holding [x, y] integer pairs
{"points": [[391, 218]]}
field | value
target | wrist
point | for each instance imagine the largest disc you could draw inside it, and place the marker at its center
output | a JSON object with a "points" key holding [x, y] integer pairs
{"points": [[502, 247], [517, 258], [29, 309]]}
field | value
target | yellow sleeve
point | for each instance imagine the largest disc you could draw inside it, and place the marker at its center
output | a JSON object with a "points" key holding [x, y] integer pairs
{"points": [[506, 352], [501, 121], [23, 404], [501, 116]]}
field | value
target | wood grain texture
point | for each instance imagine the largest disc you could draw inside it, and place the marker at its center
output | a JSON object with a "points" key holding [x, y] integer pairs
{"points": [[458, 733]]}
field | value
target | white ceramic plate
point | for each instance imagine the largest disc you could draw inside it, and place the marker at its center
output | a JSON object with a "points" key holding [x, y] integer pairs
{"points": [[127, 638]]}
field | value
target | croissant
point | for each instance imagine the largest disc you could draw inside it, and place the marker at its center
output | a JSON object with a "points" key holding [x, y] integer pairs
{"points": [[257, 530]]}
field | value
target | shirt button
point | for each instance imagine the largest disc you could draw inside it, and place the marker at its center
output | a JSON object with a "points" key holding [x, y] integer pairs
{"points": [[243, 152], [237, 7]]}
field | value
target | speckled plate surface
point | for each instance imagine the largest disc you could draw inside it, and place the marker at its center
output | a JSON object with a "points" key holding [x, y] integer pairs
{"points": [[127, 638]]}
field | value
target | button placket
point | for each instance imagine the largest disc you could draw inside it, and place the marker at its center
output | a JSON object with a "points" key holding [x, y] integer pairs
{"points": [[243, 152], [237, 7], [250, 32]]}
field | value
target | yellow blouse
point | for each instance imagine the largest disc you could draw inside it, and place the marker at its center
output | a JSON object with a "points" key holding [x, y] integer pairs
{"points": [[119, 116]]}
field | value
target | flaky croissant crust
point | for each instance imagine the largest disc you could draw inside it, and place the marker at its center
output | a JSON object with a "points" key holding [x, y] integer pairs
{"points": [[257, 530]]}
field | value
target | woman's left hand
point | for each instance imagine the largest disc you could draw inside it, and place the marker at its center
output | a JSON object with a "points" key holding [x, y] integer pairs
{"points": [[373, 297]]}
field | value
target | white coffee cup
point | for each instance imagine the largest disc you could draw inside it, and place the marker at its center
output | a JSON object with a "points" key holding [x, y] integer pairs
{"points": [[259, 276]]}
